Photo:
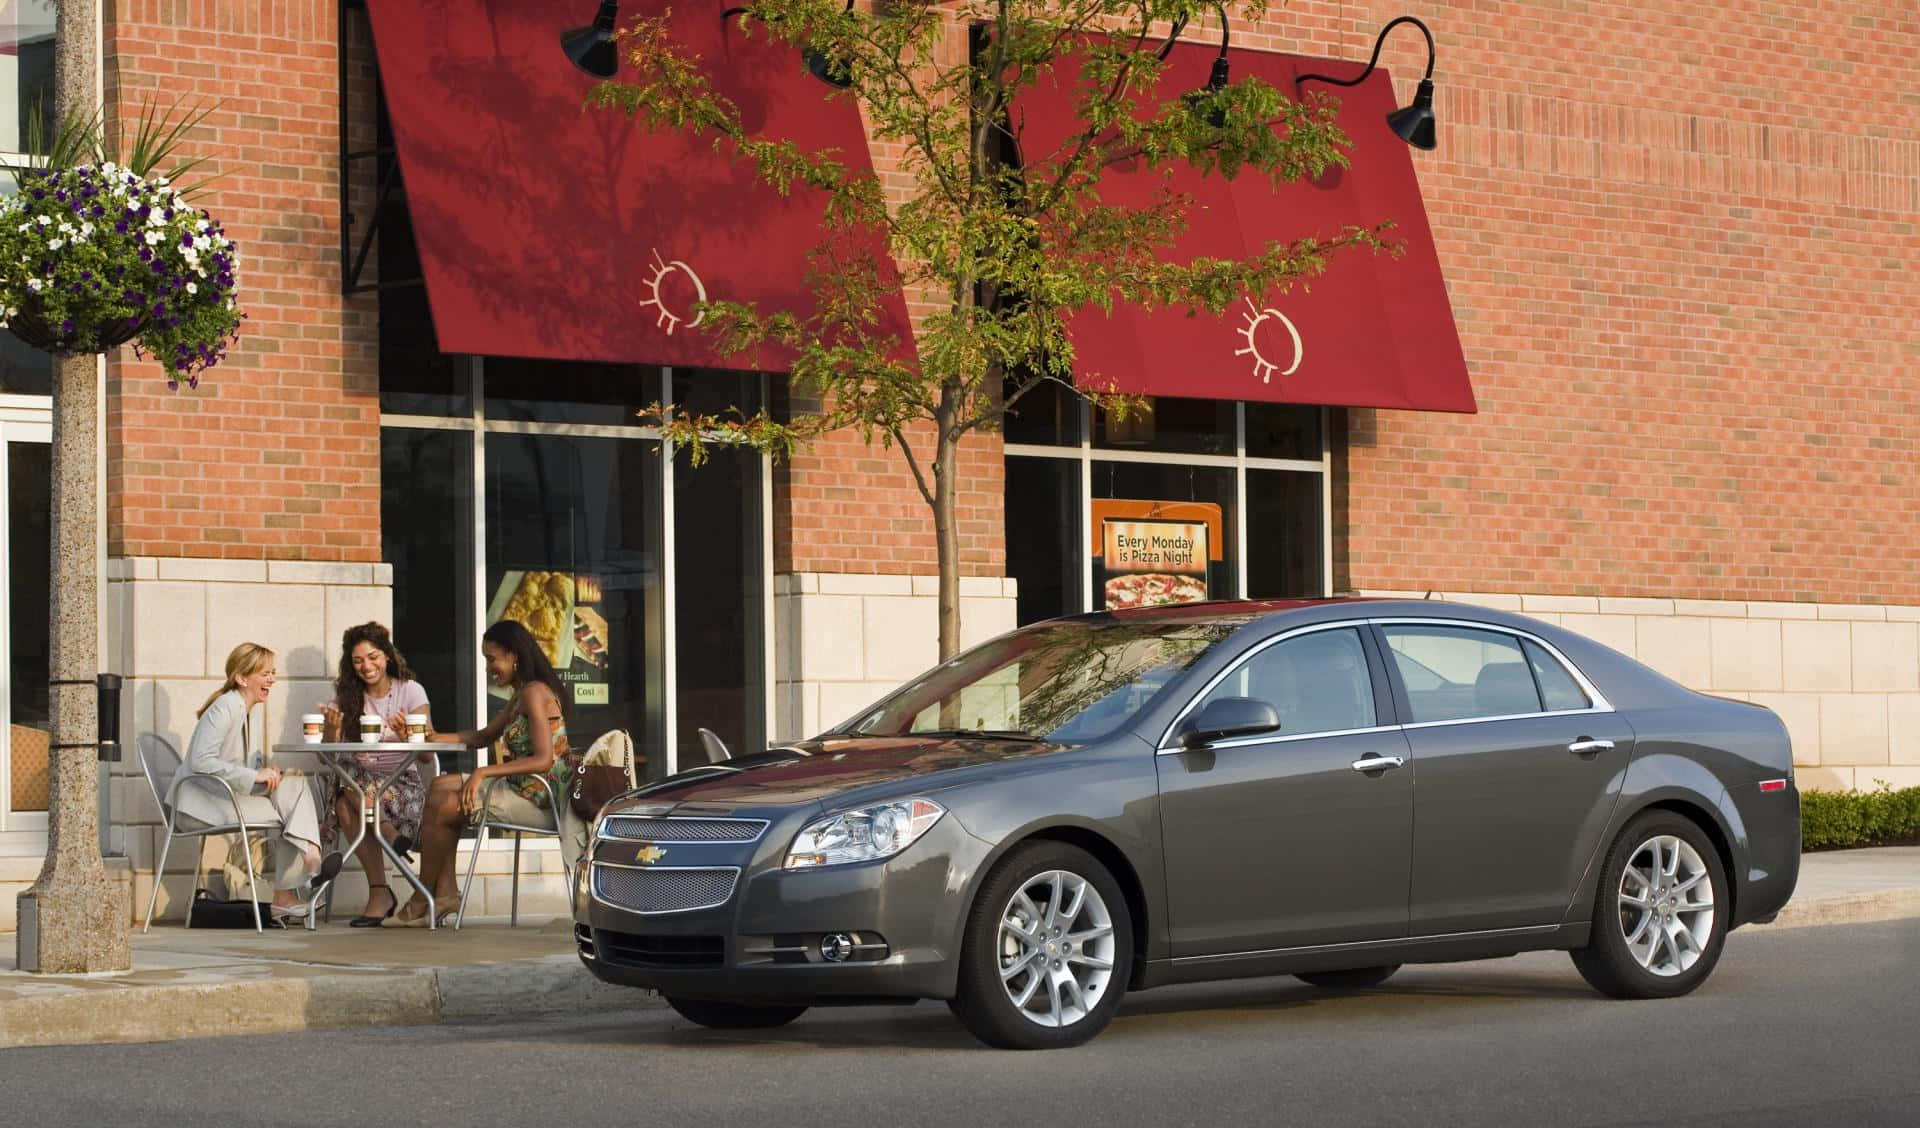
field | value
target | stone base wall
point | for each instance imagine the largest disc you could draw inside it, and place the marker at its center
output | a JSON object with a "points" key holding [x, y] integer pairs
{"points": [[1844, 677], [841, 642]]}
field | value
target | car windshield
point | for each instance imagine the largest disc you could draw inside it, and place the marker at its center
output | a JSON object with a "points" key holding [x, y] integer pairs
{"points": [[1066, 682]]}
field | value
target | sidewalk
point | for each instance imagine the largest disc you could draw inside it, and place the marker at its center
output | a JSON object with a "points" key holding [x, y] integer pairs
{"points": [[204, 983]]}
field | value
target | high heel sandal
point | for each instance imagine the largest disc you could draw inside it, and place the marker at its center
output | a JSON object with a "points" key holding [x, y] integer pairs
{"points": [[365, 920], [414, 914]]}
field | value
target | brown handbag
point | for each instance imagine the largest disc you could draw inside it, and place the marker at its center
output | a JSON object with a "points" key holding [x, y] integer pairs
{"points": [[601, 775]]}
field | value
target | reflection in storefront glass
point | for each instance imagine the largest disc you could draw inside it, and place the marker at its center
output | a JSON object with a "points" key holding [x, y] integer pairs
{"points": [[26, 69], [1282, 430], [573, 535], [719, 624], [551, 391], [426, 518], [1181, 426]]}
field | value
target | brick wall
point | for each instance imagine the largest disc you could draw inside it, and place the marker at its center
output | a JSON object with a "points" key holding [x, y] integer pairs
{"points": [[1681, 247], [277, 454]]}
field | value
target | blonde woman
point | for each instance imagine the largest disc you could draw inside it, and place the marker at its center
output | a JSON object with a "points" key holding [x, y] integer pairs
{"points": [[221, 748]]}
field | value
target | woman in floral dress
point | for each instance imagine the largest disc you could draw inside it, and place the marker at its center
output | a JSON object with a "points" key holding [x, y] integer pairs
{"points": [[374, 681]]}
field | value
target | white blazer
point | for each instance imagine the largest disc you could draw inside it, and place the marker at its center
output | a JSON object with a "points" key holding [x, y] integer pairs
{"points": [[218, 747]]}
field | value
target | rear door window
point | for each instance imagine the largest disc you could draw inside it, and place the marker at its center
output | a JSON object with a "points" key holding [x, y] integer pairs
{"points": [[1461, 673]]}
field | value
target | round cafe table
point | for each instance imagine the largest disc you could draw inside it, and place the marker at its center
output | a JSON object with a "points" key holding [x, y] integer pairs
{"points": [[335, 755]]}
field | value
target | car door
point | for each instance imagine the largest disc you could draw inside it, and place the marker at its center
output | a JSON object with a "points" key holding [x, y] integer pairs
{"points": [[1521, 762], [1277, 841]]}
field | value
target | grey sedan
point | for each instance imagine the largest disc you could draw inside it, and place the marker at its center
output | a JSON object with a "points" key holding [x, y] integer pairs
{"points": [[1328, 789]]}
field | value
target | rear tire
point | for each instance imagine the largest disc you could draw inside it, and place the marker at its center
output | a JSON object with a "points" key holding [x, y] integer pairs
{"points": [[1349, 978], [1660, 914], [733, 1016], [1046, 951]]}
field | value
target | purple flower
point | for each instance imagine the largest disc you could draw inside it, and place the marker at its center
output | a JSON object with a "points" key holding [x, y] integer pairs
{"points": [[146, 255], [121, 227], [67, 326]]}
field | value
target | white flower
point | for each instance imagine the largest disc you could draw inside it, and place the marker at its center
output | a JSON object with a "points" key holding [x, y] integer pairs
{"points": [[45, 221], [153, 238], [55, 244], [192, 288], [33, 284], [161, 181]]}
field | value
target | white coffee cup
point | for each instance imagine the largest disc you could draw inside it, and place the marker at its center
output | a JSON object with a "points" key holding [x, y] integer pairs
{"points": [[370, 727], [416, 728], [311, 727]]}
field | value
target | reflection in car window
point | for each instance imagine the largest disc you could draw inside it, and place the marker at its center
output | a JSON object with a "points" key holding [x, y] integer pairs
{"points": [[1480, 673], [1068, 682], [1557, 687], [1316, 682]]}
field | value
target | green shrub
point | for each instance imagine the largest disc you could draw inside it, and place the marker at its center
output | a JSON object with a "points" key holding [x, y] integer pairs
{"points": [[1831, 820]]}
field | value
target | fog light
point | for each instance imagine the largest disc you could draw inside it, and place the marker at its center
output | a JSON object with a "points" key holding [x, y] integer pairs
{"points": [[836, 947]]}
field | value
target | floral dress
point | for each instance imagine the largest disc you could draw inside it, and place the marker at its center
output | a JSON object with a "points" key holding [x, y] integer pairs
{"points": [[401, 805], [517, 743]]}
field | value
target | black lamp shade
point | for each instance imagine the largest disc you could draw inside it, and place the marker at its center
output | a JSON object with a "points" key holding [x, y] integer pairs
{"points": [[824, 69], [592, 48], [1414, 124]]}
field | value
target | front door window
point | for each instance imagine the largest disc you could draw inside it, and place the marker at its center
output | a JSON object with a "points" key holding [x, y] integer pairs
{"points": [[24, 757]]}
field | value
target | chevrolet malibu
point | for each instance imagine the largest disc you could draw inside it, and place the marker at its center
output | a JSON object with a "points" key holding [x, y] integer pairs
{"points": [[1095, 805]]}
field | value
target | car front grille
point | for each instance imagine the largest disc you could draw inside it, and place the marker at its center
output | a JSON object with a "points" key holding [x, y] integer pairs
{"points": [[644, 828], [662, 890], [631, 950]]}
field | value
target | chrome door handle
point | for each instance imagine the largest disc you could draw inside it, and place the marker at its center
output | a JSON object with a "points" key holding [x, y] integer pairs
{"points": [[1378, 763], [1587, 747]]}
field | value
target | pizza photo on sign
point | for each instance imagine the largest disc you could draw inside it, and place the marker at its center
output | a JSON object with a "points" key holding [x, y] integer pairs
{"points": [[1154, 589]]}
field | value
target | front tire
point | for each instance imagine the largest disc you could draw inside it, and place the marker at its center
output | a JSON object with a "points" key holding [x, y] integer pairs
{"points": [[733, 1016], [1349, 978], [1046, 951], [1660, 914]]}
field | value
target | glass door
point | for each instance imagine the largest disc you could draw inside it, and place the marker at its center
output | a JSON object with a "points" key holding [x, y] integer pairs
{"points": [[26, 475]]}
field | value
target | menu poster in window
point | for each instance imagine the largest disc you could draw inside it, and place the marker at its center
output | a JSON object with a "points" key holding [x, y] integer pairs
{"points": [[1155, 553], [562, 611]]}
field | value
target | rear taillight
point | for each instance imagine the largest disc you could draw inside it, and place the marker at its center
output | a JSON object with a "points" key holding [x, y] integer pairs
{"points": [[1767, 785]]}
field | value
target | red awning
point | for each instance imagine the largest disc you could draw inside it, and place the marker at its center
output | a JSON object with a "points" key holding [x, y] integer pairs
{"points": [[546, 230], [1374, 331]]}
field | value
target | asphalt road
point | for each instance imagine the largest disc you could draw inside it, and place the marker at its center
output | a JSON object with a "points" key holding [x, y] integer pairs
{"points": [[1807, 1026]]}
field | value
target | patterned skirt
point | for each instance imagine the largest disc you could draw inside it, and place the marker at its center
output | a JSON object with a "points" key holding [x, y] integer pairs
{"points": [[400, 807]]}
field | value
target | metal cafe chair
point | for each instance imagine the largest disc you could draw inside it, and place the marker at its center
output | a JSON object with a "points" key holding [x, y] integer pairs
{"points": [[519, 831], [158, 760], [715, 748]]}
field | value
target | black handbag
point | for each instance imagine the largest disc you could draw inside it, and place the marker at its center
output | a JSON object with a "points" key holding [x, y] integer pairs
{"points": [[208, 911]]}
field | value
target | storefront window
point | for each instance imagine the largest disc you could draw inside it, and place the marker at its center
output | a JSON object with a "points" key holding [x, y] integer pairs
{"points": [[416, 378], [1203, 500], [1166, 537], [24, 371], [1285, 535], [26, 70], [573, 552], [426, 511], [29, 469], [1043, 502], [548, 391], [1183, 426], [1049, 415]]}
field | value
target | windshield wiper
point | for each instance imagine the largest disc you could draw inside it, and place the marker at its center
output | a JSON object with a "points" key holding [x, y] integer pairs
{"points": [[981, 734]]}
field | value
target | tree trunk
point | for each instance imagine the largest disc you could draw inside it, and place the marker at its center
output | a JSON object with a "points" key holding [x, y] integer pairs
{"points": [[74, 918], [946, 536]]}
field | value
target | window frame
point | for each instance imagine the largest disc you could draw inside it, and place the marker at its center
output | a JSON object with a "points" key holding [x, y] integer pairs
{"points": [[1597, 701]]}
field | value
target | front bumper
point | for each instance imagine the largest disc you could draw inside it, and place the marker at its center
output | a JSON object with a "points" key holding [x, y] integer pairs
{"points": [[764, 943]]}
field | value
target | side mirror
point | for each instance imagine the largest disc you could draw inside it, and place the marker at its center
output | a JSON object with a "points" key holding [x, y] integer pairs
{"points": [[1228, 717]]}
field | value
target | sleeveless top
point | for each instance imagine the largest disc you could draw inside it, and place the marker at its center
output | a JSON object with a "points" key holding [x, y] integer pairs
{"points": [[517, 743]]}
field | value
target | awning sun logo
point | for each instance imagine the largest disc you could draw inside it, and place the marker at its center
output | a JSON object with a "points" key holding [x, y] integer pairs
{"points": [[668, 319], [1262, 367]]}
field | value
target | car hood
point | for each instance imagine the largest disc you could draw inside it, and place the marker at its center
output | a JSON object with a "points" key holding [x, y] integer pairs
{"points": [[818, 771]]}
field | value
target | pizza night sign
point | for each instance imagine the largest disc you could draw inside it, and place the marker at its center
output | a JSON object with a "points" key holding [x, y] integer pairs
{"points": [[1154, 552]]}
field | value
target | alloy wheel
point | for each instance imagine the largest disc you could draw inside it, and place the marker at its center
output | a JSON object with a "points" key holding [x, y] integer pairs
{"points": [[1056, 948], [1666, 905]]}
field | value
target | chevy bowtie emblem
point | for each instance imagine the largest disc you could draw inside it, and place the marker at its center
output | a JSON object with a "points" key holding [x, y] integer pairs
{"points": [[647, 855]]}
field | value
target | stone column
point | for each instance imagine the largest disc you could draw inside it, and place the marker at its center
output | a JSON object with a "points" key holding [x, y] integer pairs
{"points": [[72, 920]]}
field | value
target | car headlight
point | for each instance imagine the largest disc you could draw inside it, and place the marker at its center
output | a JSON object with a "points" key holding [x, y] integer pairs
{"points": [[863, 835]]}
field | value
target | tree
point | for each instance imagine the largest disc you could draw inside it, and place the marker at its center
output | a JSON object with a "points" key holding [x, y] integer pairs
{"points": [[1007, 238]]}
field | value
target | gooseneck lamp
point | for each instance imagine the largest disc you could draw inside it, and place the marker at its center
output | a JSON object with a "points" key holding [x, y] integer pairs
{"points": [[831, 71], [1412, 124], [592, 48]]}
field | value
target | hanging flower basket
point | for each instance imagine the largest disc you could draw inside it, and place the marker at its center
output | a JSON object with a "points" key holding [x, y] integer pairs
{"points": [[94, 256]]}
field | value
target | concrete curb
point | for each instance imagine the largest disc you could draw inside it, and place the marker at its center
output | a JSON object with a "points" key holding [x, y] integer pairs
{"points": [[72, 1012], [1849, 908]]}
